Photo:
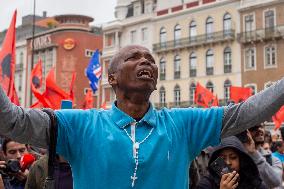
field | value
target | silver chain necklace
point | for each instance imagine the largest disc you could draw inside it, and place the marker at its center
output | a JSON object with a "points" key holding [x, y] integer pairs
{"points": [[135, 153]]}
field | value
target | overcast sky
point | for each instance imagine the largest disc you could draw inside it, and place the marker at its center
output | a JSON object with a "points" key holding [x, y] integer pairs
{"points": [[101, 10]]}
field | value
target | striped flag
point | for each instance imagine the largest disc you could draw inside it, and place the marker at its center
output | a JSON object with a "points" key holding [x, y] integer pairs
{"points": [[94, 71]]}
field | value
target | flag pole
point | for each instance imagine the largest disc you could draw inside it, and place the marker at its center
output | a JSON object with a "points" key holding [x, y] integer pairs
{"points": [[32, 54]]}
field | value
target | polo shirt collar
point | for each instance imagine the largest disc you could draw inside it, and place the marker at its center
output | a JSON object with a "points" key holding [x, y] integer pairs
{"points": [[122, 119]]}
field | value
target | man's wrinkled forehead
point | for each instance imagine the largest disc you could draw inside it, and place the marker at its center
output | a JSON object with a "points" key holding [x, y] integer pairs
{"points": [[128, 51]]}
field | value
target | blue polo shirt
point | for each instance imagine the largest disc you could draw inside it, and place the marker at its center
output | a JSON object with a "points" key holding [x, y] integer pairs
{"points": [[101, 154]]}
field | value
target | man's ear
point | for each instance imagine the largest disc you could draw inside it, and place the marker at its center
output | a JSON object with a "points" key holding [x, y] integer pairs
{"points": [[112, 79]]}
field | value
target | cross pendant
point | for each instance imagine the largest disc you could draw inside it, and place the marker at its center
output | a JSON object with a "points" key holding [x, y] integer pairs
{"points": [[133, 178]]}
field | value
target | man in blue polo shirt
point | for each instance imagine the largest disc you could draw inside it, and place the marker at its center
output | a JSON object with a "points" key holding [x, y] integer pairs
{"points": [[133, 145]]}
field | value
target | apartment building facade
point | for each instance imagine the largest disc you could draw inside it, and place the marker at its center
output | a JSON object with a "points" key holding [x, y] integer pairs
{"points": [[195, 41], [262, 42]]}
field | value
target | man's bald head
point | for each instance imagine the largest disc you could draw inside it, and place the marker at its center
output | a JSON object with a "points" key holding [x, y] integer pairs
{"points": [[120, 56]]}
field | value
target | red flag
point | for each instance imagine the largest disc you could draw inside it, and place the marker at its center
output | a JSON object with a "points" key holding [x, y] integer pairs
{"points": [[36, 80], [104, 105], [215, 101], [7, 62], [204, 97], [53, 94], [239, 94], [89, 101], [71, 93], [278, 118], [37, 105]]}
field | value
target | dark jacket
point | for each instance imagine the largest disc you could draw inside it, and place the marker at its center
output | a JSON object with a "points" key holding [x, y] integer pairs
{"points": [[38, 173], [249, 175]]}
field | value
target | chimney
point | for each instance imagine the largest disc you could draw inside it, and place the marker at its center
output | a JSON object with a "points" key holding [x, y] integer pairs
{"points": [[44, 14]]}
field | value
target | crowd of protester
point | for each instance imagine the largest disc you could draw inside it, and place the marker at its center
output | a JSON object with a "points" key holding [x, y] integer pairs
{"points": [[34, 175], [255, 157]]}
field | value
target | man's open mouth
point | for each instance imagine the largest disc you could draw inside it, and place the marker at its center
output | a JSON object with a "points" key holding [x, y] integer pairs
{"points": [[145, 74]]}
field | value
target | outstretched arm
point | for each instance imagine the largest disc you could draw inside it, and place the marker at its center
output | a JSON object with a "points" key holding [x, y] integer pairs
{"points": [[254, 110], [27, 126]]}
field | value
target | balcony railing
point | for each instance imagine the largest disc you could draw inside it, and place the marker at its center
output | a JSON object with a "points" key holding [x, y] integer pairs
{"points": [[184, 104], [192, 72], [210, 71], [162, 76], [261, 34], [177, 75], [195, 41], [228, 68]]}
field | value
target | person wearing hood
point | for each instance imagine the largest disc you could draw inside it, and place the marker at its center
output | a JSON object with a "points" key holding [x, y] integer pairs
{"points": [[245, 173]]}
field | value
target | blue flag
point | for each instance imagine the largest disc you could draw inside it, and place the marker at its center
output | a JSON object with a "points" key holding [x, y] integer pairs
{"points": [[94, 71]]}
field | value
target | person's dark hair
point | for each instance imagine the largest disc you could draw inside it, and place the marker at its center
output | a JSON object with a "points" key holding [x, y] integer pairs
{"points": [[282, 132], [267, 137], [276, 145], [4, 144], [247, 176]]}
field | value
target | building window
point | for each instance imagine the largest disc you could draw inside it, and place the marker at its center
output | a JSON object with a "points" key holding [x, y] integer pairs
{"points": [[250, 58], [227, 60], [209, 62], [133, 36], [209, 28], [105, 68], [109, 40], [177, 67], [177, 34], [269, 19], [227, 24], [270, 56], [162, 69], [249, 23], [162, 96], [144, 32], [192, 89], [192, 65], [89, 53], [177, 95], [48, 59], [192, 31], [163, 37], [20, 82], [21, 61], [227, 85], [210, 86]]}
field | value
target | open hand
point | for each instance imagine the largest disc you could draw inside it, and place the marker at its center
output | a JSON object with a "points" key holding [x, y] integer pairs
{"points": [[229, 180], [250, 145]]}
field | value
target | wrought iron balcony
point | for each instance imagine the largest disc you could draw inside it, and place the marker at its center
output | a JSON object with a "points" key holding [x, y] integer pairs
{"points": [[195, 41], [177, 75], [209, 71], [192, 72], [261, 34], [228, 68], [162, 76], [182, 104]]}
